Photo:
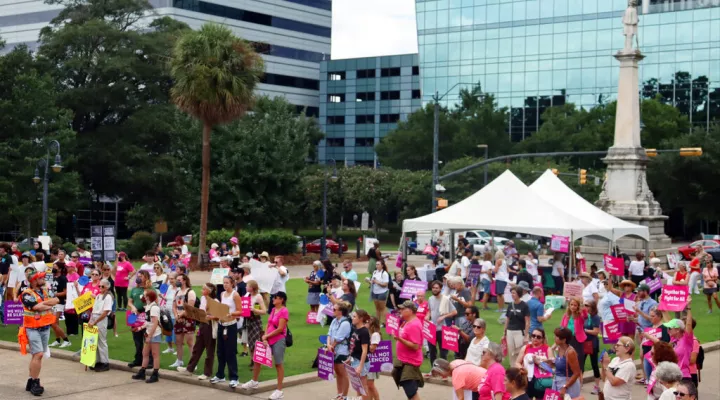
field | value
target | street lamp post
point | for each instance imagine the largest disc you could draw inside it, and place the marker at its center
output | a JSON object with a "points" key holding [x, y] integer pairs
{"points": [[436, 138], [54, 147], [484, 146], [323, 240]]}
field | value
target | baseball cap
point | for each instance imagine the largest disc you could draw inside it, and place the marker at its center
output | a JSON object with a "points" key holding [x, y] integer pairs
{"points": [[36, 275], [643, 287], [408, 304], [674, 324]]}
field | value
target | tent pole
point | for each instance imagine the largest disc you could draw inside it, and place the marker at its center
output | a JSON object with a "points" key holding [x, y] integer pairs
{"points": [[452, 246], [647, 248], [572, 257]]}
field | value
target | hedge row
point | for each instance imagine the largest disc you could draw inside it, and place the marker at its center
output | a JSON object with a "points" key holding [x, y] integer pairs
{"points": [[272, 241]]}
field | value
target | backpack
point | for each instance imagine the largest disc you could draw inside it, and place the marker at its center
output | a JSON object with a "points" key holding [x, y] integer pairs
{"points": [[700, 358], [166, 323]]}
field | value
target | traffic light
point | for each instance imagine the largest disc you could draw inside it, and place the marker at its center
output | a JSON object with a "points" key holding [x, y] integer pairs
{"points": [[555, 171], [651, 152], [691, 152], [441, 203], [582, 176]]}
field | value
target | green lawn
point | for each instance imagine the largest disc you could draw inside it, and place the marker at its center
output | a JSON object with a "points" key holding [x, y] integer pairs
{"points": [[299, 357]]}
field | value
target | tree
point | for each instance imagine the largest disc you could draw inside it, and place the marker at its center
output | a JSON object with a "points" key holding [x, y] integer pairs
{"points": [[215, 74]]}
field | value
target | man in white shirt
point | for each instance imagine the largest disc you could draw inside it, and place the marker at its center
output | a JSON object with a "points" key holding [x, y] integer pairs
{"points": [[465, 263], [280, 280]]}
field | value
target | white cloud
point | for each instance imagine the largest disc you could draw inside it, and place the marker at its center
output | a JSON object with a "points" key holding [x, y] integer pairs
{"points": [[369, 28]]}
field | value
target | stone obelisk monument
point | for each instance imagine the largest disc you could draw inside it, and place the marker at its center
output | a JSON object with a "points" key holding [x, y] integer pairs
{"points": [[625, 193]]}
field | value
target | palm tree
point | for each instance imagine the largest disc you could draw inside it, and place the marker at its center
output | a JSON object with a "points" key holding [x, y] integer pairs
{"points": [[214, 75]]}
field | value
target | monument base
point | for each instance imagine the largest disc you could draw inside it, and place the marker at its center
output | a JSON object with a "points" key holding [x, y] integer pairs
{"points": [[593, 249]]}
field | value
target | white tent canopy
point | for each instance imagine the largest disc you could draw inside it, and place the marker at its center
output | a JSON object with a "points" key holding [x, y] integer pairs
{"points": [[507, 204], [552, 189]]}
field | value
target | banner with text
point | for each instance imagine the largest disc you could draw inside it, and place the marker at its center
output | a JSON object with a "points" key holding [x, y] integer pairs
{"points": [[429, 332], [13, 312], [262, 354], [410, 288], [450, 338], [326, 360], [381, 360], [614, 265], [673, 298], [560, 244], [392, 324], [88, 352]]}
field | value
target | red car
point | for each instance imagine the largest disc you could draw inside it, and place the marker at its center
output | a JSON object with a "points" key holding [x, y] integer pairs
{"points": [[687, 251], [331, 246]]}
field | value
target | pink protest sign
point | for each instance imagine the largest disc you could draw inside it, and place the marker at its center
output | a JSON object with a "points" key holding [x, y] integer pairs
{"points": [[653, 284], [552, 395], [450, 338], [135, 320], [411, 288], [582, 264], [560, 244], [615, 265], [325, 364], [654, 332], [355, 380], [262, 354], [612, 331], [572, 289], [392, 324], [311, 318], [246, 304], [429, 330], [673, 298], [619, 312]]}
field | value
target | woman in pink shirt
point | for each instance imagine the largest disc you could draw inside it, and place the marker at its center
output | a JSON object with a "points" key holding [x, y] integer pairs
{"points": [[466, 376], [123, 271], [710, 284], [409, 340], [681, 334], [493, 386]]}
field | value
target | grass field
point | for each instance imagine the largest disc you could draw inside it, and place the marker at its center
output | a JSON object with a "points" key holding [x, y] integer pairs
{"points": [[299, 357]]}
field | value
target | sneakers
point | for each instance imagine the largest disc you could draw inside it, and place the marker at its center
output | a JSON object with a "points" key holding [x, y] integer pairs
{"points": [[251, 384], [53, 344], [595, 390], [234, 384], [244, 354], [65, 344], [215, 379], [276, 395], [709, 311], [182, 369], [169, 350], [177, 363], [202, 377]]}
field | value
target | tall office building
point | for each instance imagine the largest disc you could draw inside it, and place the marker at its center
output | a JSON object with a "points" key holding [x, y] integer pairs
{"points": [[361, 100], [533, 54], [293, 36]]}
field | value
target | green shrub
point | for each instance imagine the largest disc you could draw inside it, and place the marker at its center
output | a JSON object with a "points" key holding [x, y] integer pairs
{"points": [[272, 241], [56, 241], [69, 247], [140, 242]]}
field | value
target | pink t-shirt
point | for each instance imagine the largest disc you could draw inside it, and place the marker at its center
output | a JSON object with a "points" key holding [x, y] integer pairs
{"points": [[695, 349], [274, 322], [466, 375], [412, 332], [707, 275], [94, 289], [124, 268], [72, 277], [493, 383], [683, 348], [542, 351]]}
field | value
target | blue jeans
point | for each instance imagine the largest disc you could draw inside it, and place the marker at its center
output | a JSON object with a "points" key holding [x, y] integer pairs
{"points": [[2, 304], [647, 367]]}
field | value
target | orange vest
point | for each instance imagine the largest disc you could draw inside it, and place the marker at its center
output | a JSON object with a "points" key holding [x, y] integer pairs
{"points": [[37, 319]]}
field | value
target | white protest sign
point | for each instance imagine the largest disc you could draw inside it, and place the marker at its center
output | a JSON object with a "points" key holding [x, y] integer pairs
{"points": [[263, 275]]}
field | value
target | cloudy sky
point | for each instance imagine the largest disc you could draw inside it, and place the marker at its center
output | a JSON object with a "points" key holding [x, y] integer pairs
{"points": [[366, 28]]}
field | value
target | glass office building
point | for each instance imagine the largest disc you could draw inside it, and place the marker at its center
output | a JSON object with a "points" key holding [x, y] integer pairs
{"points": [[361, 100], [533, 54]]}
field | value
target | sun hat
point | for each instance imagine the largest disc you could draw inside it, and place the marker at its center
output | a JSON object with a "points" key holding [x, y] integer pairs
{"points": [[585, 275], [628, 282], [214, 246], [234, 240], [265, 254], [674, 324]]}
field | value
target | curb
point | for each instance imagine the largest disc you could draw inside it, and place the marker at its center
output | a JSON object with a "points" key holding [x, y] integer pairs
{"points": [[175, 376]]}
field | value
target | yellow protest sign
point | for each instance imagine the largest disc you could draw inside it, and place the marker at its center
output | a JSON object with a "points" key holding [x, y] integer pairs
{"points": [[89, 345], [83, 303]]}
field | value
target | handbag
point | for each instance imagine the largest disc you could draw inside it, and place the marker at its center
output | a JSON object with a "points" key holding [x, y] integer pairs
{"points": [[588, 347], [543, 383]]}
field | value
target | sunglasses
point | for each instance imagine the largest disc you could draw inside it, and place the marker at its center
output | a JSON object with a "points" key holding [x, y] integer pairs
{"points": [[94, 274], [537, 336], [468, 313], [680, 394], [477, 326]]}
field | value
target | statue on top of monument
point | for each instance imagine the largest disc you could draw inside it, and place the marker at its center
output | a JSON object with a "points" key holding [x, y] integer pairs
{"points": [[630, 22]]}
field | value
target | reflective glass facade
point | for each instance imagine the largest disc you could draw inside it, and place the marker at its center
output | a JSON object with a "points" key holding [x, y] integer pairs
{"points": [[361, 100], [532, 54]]}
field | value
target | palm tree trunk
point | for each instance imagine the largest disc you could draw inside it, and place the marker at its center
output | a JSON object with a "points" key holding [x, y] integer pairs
{"points": [[205, 194]]}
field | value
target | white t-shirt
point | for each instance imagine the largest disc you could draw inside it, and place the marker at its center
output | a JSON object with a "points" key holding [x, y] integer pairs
{"points": [[600, 287], [558, 269], [588, 291], [150, 268], [453, 271], [184, 249], [375, 338], [102, 303], [170, 298], [476, 350], [380, 276], [464, 264], [280, 281], [637, 268], [532, 268], [502, 274], [17, 273], [624, 370], [154, 311], [485, 269]]}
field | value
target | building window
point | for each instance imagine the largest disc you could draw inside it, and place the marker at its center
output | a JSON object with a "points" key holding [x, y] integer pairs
{"points": [[365, 119], [364, 142], [390, 95], [335, 142], [292, 81], [416, 70], [390, 72], [335, 120], [365, 96], [308, 111], [288, 52], [366, 73], [389, 118], [336, 98], [336, 76], [416, 94]]}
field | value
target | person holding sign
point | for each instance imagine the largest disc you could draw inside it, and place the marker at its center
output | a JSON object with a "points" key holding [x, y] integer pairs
{"points": [[359, 345], [205, 338], [227, 334], [532, 354], [253, 323], [136, 305], [37, 318], [101, 309], [409, 340], [153, 337], [681, 334], [275, 335], [373, 326], [184, 327]]}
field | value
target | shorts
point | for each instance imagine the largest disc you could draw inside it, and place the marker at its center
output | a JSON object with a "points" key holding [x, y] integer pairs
{"points": [[410, 388], [156, 339], [366, 367], [371, 376], [380, 296], [485, 286], [38, 339], [278, 351], [500, 287], [184, 326], [710, 291], [340, 358], [313, 298]]}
